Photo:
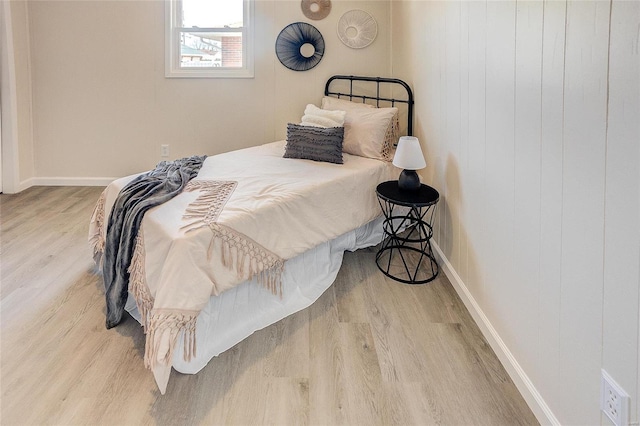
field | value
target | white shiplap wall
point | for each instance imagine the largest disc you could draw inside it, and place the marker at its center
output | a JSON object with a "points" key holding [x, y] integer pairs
{"points": [[528, 112]]}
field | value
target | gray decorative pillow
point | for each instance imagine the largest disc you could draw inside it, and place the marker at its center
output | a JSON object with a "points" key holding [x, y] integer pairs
{"points": [[314, 143]]}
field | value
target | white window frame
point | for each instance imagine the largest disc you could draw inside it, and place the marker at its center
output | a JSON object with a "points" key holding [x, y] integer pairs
{"points": [[172, 46]]}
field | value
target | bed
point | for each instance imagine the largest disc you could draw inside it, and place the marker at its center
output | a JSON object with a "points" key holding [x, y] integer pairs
{"points": [[256, 234]]}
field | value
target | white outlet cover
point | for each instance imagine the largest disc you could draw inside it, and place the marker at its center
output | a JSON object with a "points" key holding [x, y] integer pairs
{"points": [[614, 401]]}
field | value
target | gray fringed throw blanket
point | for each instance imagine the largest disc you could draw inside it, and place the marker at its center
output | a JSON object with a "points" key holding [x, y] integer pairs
{"points": [[151, 189]]}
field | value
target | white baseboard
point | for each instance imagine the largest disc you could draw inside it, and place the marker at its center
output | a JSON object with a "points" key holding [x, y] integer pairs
{"points": [[59, 181], [25, 184], [70, 181], [531, 395]]}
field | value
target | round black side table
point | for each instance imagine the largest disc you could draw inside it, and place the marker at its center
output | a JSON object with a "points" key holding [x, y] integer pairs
{"points": [[406, 247]]}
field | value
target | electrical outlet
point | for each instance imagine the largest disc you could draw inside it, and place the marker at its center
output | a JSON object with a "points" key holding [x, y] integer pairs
{"points": [[614, 401], [164, 150]]}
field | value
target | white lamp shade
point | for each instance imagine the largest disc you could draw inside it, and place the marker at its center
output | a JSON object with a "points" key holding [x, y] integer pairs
{"points": [[409, 154]]}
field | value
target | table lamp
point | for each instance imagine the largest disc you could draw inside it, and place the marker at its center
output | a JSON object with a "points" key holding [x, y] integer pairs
{"points": [[409, 157]]}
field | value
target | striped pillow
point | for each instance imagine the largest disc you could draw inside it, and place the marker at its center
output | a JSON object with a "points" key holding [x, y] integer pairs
{"points": [[314, 143]]}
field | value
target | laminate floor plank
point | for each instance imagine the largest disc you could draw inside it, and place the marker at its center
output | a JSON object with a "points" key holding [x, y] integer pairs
{"points": [[289, 347], [350, 300], [361, 404], [369, 351], [326, 365], [409, 404]]}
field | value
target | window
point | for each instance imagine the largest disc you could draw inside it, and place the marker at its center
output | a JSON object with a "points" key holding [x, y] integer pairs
{"points": [[209, 38]]}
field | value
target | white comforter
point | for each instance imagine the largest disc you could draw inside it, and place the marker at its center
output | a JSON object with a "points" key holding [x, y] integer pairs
{"points": [[287, 206]]}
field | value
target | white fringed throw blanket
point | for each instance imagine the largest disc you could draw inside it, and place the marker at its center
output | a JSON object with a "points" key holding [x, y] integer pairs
{"points": [[245, 213]]}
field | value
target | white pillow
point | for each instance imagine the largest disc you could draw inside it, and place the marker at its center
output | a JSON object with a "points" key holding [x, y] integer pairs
{"points": [[368, 131], [314, 116]]}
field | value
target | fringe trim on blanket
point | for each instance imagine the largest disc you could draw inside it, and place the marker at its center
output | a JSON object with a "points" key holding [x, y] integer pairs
{"points": [[98, 238], [138, 281], [241, 252], [173, 322], [156, 323], [238, 252], [207, 207]]}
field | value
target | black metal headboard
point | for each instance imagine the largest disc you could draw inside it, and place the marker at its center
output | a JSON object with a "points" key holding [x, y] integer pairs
{"points": [[376, 96]]}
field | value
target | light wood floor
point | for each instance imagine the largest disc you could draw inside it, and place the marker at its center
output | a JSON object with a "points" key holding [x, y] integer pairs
{"points": [[370, 351]]}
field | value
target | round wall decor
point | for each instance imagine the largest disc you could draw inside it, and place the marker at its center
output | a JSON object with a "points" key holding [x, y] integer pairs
{"points": [[357, 29], [299, 46], [316, 9]]}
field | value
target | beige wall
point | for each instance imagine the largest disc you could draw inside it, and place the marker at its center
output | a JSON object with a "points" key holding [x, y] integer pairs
{"points": [[102, 106], [17, 137], [528, 114]]}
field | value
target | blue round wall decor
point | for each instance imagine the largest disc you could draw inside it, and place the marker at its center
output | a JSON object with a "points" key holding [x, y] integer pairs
{"points": [[299, 46]]}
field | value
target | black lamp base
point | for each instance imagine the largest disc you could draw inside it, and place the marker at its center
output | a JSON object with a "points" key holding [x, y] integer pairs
{"points": [[409, 180]]}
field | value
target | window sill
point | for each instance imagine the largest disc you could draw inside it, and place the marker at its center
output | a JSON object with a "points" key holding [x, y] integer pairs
{"points": [[217, 73]]}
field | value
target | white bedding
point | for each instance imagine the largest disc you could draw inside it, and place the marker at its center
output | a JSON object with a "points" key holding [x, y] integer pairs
{"points": [[235, 314], [290, 207]]}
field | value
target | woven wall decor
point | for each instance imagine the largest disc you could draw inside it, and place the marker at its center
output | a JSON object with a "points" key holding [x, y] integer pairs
{"points": [[316, 9], [299, 46], [357, 29]]}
